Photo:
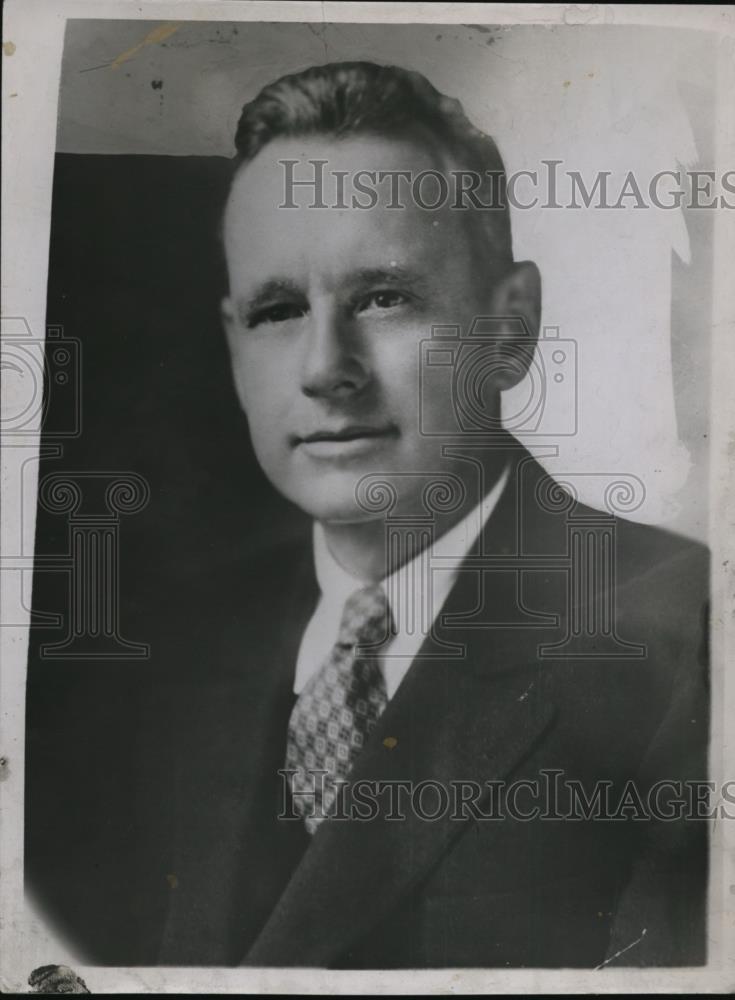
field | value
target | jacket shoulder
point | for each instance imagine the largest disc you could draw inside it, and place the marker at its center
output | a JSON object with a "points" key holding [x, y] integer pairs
{"points": [[660, 565]]}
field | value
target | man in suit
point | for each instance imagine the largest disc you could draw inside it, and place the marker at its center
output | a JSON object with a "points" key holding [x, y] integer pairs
{"points": [[454, 623]]}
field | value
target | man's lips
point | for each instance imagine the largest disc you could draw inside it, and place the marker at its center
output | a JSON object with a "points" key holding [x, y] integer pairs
{"points": [[347, 441], [351, 432]]}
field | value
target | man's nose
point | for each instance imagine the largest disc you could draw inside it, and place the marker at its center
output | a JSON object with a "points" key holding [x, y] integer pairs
{"points": [[334, 364]]}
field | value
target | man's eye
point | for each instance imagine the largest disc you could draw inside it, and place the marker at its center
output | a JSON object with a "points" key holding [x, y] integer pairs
{"points": [[387, 299], [277, 313]]}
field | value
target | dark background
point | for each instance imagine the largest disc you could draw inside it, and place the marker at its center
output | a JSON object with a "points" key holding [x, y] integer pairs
{"points": [[136, 276]]}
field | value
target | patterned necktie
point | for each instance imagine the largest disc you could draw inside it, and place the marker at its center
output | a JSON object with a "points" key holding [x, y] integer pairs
{"points": [[338, 707]]}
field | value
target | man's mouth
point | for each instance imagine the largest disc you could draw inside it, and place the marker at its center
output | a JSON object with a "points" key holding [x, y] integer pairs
{"points": [[348, 439]]}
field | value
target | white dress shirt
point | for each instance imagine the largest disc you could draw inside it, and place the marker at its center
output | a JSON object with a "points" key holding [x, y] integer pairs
{"points": [[407, 590]]}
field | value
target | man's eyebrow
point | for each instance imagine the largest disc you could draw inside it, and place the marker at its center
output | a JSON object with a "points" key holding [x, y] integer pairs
{"points": [[275, 288], [393, 275], [265, 293]]}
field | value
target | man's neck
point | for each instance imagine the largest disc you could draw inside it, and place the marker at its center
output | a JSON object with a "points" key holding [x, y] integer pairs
{"points": [[361, 548]]}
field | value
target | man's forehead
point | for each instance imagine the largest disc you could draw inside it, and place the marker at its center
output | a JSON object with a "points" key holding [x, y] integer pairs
{"points": [[266, 218], [309, 169]]}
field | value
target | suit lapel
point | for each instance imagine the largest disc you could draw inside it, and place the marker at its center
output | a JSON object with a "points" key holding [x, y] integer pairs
{"points": [[474, 718]]}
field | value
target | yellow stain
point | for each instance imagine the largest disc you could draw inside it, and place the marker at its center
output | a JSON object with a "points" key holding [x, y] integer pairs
{"points": [[159, 34], [390, 742], [8, 48]]}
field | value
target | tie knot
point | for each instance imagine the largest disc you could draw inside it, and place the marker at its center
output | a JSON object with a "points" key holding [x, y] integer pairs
{"points": [[366, 618]]}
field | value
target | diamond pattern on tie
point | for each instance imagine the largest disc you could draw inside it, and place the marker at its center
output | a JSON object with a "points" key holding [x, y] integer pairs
{"points": [[337, 709]]}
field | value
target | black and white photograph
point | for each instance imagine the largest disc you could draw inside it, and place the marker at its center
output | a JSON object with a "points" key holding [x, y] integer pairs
{"points": [[367, 526]]}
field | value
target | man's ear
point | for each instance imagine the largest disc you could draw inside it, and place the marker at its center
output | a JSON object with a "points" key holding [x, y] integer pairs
{"points": [[518, 294], [229, 322], [516, 308], [227, 313]]}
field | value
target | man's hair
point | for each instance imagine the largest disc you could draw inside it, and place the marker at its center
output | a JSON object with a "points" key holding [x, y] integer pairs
{"points": [[363, 98]]}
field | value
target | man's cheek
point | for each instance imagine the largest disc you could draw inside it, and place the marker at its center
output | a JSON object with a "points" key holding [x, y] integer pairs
{"points": [[260, 397]]}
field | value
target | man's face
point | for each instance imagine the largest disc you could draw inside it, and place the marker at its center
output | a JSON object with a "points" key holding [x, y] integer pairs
{"points": [[326, 312]]}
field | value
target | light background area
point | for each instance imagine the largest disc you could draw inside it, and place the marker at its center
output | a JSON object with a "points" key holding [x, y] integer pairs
{"points": [[631, 288]]}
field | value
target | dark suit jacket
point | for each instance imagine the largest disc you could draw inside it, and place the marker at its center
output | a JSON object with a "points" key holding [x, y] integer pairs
{"points": [[191, 865]]}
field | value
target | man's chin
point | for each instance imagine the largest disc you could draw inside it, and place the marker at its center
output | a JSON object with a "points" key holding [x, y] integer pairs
{"points": [[333, 508]]}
